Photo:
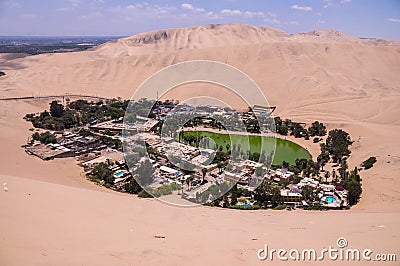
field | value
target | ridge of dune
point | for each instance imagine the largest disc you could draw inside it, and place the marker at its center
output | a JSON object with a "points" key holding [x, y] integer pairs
{"points": [[197, 37], [220, 35], [326, 35]]}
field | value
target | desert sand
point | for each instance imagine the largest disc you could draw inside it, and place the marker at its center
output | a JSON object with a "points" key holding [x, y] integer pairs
{"points": [[46, 223], [340, 80]]}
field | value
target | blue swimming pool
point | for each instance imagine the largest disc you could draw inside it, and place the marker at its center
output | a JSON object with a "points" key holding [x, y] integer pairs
{"points": [[248, 204], [330, 199], [119, 174]]}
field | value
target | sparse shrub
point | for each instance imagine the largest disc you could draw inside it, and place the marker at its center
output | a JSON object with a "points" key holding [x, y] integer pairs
{"points": [[144, 194], [369, 163], [316, 140], [279, 207], [165, 189]]}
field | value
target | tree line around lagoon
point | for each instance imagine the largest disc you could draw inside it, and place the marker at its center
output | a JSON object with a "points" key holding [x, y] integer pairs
{"points": [[296, 129]]}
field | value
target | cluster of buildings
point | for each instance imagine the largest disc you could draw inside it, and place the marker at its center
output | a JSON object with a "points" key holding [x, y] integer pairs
{"points": [[279, 175], [326, 194], [120, 174], [68, 145], [231, 118], [117, 126], [329, 195], [175, 162], [243, 173]]}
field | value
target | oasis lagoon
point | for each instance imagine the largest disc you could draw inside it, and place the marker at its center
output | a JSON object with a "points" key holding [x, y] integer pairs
{"points": [[285, 150]]}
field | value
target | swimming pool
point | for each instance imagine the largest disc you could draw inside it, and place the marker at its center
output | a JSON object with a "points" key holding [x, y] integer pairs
{"points": [[242, 204], [119, 173], [330, 199]]}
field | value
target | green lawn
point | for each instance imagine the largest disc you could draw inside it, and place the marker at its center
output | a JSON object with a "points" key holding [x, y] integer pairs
{"points": [[285, 150]]}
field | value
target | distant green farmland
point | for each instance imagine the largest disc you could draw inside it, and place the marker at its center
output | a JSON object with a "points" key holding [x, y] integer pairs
{"points": [[285, 150]]}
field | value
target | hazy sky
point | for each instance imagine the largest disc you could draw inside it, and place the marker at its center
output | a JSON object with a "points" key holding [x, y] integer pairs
{"points": [[363, 18]]}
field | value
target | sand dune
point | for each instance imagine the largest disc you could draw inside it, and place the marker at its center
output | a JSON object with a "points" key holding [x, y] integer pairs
{"points": [[323, 75]]}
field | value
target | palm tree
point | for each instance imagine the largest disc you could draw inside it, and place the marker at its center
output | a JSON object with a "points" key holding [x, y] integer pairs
{"points": [[189, 181], [228, 146], [220, 165], [327, 175], [203, 171], [334, 176], [343, 169], [181, 135]]}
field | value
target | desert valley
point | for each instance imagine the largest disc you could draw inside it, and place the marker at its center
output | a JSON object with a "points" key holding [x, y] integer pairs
{"points": [[51, 214]]}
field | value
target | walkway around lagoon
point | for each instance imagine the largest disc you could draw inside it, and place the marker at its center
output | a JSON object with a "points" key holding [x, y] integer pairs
{"points": [[66, 95]]}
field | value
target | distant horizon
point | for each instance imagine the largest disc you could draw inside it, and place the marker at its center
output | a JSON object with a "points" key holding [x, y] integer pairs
{"points": [[366, 19], [133, 34], [61, 36]]}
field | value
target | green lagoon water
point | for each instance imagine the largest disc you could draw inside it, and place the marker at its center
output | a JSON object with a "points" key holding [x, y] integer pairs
{"points": [[285, 150]]}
